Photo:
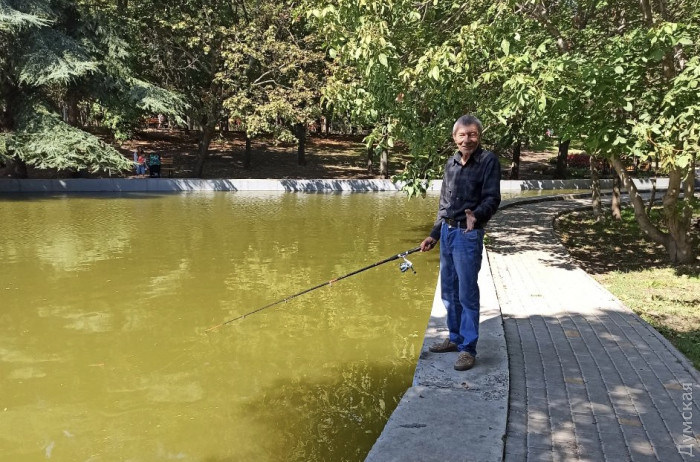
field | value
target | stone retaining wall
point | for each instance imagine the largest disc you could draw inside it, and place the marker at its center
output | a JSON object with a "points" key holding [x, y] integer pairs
{"points": [[289, 185]]}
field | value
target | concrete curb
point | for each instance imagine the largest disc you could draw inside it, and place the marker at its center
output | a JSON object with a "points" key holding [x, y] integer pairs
{"points": [[449, 415], [284, 185]]}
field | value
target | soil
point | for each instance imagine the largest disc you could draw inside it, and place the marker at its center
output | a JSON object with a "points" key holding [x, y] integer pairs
{"points": [[335, 156]]}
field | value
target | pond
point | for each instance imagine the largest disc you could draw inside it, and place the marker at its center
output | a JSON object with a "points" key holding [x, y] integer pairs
{"points": [[105, 301]]}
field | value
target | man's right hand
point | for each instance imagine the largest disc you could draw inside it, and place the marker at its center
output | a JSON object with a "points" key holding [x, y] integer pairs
{"points": [[427, 244]]}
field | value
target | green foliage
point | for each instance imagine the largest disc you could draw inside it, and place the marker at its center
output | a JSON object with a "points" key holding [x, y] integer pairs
{"points": [[51, 57], [12, 19], [43, 140], [67, 54], [255, 61], [587, 73], [273, 70], [619, 78]]}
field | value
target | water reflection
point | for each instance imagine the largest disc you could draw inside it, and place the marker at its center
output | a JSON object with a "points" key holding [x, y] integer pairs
{"points": [[104, 302]]}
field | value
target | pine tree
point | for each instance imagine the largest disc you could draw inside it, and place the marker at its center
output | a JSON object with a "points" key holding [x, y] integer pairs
{"points": [[63, 54]]}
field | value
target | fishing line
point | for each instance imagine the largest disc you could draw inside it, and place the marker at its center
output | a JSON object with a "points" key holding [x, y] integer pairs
{"points": [[404, 266]]}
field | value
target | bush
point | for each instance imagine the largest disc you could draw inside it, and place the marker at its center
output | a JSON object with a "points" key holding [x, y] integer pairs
{"points": [[578, 160]]}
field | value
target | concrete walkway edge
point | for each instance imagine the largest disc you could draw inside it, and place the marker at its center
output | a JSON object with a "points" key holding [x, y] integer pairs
{"points": [[161, 185], [448, 415]]}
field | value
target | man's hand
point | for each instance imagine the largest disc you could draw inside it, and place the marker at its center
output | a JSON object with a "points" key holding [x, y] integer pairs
{"points": [[471, 219], [427, 244]]}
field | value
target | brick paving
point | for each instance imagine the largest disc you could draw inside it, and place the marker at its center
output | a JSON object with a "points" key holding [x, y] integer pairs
{"points": [[589, 380]]}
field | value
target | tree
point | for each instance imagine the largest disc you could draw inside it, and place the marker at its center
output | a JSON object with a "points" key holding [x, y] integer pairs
{"points": [[651, 100], [277, 72], [244, 59], [619, 78], [49, 55], [66, 54]]}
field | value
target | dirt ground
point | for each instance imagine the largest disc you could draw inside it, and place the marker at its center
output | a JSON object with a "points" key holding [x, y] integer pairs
{"points": [[337, 156], [333, 157]]}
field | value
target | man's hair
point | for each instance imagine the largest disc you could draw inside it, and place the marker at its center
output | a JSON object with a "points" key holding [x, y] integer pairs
{"points": [[465, 120]]}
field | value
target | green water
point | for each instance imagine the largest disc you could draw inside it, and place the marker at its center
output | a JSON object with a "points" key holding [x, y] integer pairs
{"points": [[104, 302]]}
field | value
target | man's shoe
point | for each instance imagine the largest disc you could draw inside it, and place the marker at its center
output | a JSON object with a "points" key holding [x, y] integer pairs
{"points": [[443, 347], [465, 361]]}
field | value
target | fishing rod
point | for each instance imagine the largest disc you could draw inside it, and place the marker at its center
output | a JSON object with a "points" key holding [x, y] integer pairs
{"points": [[404, 266]]}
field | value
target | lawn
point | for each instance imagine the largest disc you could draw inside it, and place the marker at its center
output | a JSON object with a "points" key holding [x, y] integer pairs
{"points": [[636, 271]]}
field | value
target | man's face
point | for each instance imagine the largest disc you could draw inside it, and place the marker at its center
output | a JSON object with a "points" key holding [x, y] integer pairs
{"points": [[467, 139]]}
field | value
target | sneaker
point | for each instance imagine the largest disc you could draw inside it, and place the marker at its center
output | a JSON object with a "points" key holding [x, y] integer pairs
{"points": [[465, 361], [443, 347]]}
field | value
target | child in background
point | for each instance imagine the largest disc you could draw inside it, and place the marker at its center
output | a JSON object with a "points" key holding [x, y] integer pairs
{"points": [[141, 163], [154, 165]]}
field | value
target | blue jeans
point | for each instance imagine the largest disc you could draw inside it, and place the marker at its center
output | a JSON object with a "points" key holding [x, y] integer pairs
{"points": [[460, 261]]}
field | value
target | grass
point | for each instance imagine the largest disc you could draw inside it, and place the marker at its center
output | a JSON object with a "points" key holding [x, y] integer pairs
{"points": [[637, 271]]}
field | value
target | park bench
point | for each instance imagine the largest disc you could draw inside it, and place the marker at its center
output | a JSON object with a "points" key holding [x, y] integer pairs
{"points": [[167, 165], [153, 122], [641, 167]]}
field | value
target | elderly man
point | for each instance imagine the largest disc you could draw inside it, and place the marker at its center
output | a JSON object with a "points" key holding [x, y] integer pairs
{"points": [[470, 195]]}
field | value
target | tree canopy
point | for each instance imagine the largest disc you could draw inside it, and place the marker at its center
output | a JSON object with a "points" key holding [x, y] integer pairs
{"points": [[620, 79], [65, 54]]}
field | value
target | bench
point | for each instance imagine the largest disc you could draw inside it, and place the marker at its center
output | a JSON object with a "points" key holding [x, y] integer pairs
{"points": [[153, 122], [167, 165], [641, 167]]}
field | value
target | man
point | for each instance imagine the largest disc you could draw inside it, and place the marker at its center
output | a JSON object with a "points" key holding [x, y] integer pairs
{"points": [[470, 195]]}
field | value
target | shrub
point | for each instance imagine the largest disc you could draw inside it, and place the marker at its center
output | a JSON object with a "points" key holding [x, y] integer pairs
{"points": [[581, 160]]}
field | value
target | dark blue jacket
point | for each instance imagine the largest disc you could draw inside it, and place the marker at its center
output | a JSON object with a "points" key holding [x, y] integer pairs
{"points": [[475, 186]]}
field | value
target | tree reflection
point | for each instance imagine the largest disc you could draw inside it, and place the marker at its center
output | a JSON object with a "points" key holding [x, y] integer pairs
{"points": [[335, 420]]}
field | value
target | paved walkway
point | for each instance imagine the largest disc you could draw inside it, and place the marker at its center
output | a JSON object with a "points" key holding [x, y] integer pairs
{"points": [[589, 380]]}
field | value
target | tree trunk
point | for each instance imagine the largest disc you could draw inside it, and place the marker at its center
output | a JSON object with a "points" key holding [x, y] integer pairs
{"points": [[645, 6], [327, 128], [690, 179], [384, 163], [560, 172], [300, 132], [650, 204], [595, 191], [678, 220], [370, 159], [615, 206], [515, 163], [17, 168], [679, 216], [203, 151], [248, 152], [72, 113]]}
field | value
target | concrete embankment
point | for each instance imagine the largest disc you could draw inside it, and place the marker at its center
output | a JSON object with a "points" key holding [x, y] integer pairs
{"points": [[449, 415], [160, 185]]}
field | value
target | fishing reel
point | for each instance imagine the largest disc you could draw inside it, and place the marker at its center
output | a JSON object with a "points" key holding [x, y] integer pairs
{"points": [[406, 265]]}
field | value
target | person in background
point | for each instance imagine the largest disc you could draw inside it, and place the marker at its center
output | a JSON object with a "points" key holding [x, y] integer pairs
{"points": [[154, 165], [140, 163], [470, 195]]}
